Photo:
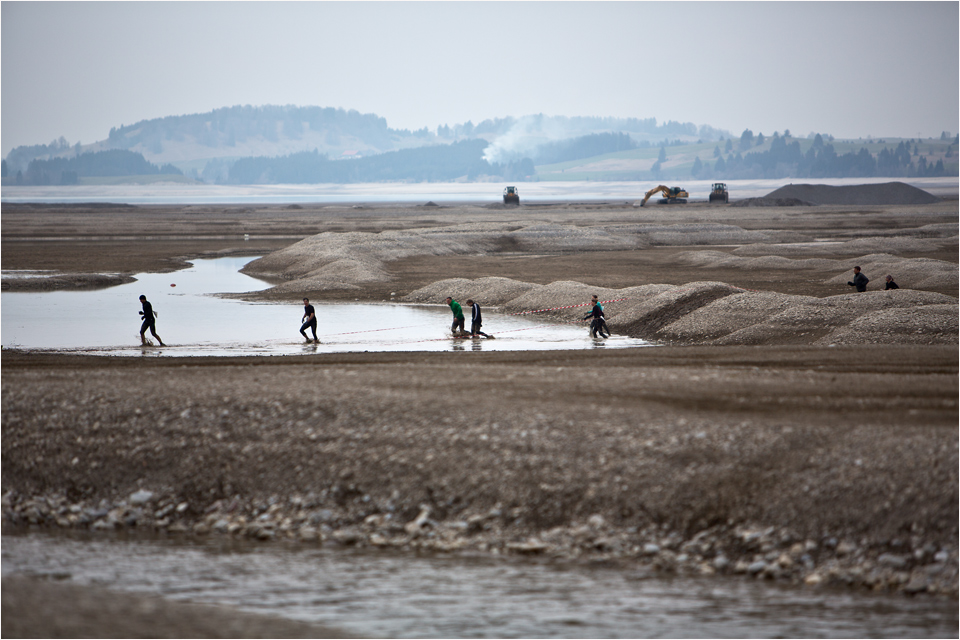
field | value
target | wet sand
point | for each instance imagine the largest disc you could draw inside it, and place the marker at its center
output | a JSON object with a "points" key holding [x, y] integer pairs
{"points": [[804, 463]]}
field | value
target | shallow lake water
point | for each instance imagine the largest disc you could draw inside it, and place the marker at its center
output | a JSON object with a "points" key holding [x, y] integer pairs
{"points": [[388, 594], [193, 321], [417, 193]]}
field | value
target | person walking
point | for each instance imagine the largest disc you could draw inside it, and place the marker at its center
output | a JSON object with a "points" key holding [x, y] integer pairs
{"points": [[598, 326], [149, 322], [458, 319], [476, 321], [891, 284], [859, 280], [309, 319]]}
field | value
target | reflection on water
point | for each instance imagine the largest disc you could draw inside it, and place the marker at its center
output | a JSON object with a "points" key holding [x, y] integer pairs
{"points": [[194, 322], [383, 594]]}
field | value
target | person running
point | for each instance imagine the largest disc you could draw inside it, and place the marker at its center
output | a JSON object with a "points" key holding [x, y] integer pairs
{"points": [[891, 284], [149, 322], [310, 320], [598, 325], [458, 319], [859, 280], [476, 321]]}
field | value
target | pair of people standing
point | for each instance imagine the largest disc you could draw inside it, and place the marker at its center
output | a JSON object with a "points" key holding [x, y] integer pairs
{"points": [[860, 281], [458, 318]]}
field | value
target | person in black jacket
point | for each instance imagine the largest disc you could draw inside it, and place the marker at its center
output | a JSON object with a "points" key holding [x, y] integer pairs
{"points": [[309, 320], [149, 322], [859, 280], [598, 325], [476, 321], [891, 284]]}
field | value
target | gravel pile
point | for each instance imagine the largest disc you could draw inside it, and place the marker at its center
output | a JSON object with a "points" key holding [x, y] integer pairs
{"points": [[727, 315], [345, 260], [901, 325], [68, 281], [859, 194], [917, 273], [813, 321], [718, 313]]}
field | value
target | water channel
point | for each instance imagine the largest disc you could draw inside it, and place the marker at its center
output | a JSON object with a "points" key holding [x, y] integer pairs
{"points": [[193, 320], [389, 594]]}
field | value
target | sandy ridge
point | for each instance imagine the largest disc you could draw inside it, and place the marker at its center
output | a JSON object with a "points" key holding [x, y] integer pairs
{"points": [[718, 313]]}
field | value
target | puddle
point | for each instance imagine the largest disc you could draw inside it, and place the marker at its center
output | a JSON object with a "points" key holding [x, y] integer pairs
{"points": [[385, 594], [193, 321]]}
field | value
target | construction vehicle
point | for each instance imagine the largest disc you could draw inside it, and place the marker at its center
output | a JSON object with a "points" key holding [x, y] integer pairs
{"points": [[719, 193], [511, 196], [674, 195]]}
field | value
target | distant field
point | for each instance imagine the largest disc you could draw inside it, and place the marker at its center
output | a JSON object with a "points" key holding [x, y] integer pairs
{"points": [[635, 164]]}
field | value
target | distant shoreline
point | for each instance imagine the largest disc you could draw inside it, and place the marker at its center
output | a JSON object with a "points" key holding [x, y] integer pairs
{"points": [[420, 193]]}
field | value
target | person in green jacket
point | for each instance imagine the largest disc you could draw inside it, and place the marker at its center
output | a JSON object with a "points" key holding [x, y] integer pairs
{"points": [[458, 319]]}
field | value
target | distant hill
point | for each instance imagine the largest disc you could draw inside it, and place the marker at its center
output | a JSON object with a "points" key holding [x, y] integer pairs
{"points": [[275, 144], [205, 145]]}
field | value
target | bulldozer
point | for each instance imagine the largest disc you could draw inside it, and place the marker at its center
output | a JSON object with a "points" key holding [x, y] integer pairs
{"points": [[719, 193], [511, 196], [674, 195]]}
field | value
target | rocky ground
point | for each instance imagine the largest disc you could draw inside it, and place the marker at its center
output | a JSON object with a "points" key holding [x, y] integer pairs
{"points": [[823, 453]]}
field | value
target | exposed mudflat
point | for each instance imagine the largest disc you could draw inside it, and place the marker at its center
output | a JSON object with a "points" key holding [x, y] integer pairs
{"points": [[794, 430]]}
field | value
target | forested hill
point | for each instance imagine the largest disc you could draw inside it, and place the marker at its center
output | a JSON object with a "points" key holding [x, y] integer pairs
{"points": [[276, 144], [224, 135]]}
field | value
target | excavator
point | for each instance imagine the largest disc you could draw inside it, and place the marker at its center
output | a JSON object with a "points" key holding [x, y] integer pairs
{"points": [[674, 195]]}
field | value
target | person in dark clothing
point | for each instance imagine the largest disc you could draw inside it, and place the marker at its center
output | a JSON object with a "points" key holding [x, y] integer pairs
{"points": [[598, 325], [310, 320], [859, 280], [891, 284], [476, 321], [149, 322], [458, 319]]}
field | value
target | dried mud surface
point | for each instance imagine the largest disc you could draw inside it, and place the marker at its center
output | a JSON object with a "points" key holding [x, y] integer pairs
{"points": [[814, 459]]}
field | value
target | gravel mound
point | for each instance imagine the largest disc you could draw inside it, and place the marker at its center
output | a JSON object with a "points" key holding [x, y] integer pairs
{"points": [[901, 325], [859, 194], [347, 260], [720, 314], [910, 273], [813, 321], [727, 315]]}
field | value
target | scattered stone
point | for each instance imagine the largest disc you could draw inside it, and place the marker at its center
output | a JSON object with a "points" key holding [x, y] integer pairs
{"points": [[893, 561]]}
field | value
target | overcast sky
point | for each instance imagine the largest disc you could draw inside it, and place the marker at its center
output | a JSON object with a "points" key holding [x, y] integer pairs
{"points": [[855, 69]]}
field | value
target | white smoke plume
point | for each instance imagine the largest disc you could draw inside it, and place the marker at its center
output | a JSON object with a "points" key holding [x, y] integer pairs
{"points": [[523, 138]]}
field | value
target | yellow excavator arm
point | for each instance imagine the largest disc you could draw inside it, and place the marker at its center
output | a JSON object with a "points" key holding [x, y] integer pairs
{"points": [[661, 189], [672, 195]]}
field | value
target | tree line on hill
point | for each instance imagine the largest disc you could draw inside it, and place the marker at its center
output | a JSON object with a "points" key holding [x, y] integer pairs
{"points": [[69, 170], [464, 159], [784, 159], [437, 163], [594, 144]]}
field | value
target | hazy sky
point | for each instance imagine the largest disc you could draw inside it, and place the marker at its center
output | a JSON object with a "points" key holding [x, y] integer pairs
{"points": [[75, 69]]}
